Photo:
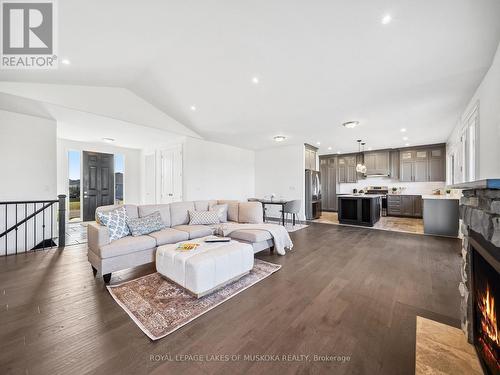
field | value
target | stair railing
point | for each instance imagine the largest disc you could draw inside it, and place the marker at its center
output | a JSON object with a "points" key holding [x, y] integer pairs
{"points": [[31, 225]]}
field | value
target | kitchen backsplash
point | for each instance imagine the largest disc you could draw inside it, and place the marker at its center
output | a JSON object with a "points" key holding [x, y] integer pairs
{"points": [[417, 188]]}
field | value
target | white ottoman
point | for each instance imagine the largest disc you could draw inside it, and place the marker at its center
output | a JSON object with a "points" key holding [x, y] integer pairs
{"points": [[206, 268]]}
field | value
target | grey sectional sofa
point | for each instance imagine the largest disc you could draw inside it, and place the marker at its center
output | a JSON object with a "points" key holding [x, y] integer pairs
{"points": [[107, 257]]}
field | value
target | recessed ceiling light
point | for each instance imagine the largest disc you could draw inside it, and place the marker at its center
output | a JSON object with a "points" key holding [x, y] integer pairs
{"points": [[405, 138], [65, 61], [386, 19], [108, 140], [350, 124], [403, 130], [255, 80], [279, 138], [329, 148], [193, 108], [338, 152], [407, 144], [318, 143]]}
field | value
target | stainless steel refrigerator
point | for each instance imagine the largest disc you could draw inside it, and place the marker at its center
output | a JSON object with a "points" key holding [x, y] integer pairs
{"points": [[313, 195]]}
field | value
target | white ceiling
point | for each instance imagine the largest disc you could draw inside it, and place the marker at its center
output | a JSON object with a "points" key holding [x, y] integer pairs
{"points": [[319, 63]]}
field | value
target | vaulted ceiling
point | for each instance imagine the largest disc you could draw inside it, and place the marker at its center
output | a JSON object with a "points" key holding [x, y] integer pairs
{"points": [[318, 63]]}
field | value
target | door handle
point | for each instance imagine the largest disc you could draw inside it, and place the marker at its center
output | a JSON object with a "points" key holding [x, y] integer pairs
{"points": [[170, 195]]}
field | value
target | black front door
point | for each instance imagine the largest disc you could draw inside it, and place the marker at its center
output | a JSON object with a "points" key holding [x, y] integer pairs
{"points": [[98, 182]]}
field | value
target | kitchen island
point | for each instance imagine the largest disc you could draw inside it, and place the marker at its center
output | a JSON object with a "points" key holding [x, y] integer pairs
{"points": [[359, 209], [441, 216]]}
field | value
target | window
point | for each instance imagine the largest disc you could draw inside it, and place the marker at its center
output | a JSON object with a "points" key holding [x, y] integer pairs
{"points": [[119, 174], [74, 165], [468, 141]]}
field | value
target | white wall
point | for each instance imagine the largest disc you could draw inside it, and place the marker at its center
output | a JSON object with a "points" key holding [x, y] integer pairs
{"points": [[280, 171], [418, 188], [488, 97], [217, 171], [132, 175], [27, 157]]}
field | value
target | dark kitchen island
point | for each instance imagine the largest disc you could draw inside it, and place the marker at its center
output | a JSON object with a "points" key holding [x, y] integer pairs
{"points": [[359, 209]]}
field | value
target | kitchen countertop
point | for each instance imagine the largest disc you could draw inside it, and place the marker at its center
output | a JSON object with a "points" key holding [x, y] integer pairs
{"points": [[444, 197]]}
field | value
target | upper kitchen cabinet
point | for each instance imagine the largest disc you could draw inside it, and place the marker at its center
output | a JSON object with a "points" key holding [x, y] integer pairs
{"points": [[347, 169], [394, 171], [310, 157], [422, 164], [377, 163]]}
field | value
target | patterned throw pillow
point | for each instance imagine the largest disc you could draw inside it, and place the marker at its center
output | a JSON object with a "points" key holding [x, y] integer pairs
{"points": [[146, 224], [116, 221], [203, 217], [221, 210]]}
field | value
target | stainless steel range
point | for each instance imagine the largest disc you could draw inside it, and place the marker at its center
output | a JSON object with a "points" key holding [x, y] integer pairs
{"points": [[382, 190]]}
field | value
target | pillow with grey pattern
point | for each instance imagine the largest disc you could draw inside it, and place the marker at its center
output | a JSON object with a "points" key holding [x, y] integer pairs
{"points": [[146, 224]]}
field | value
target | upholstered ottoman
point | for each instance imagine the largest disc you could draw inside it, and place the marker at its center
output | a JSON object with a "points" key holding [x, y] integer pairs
{"points": [[207, 268]]}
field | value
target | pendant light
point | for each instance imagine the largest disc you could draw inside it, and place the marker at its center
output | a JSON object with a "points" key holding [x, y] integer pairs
{"points": [[361, 167]]}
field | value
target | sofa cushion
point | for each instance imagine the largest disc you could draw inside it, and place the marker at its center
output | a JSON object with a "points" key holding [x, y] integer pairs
{"points": [[146, 224], [179, 213], [221, 210], [251, 235], [130, 208], [203, 217], [201, 205], [169, 235], [232, 209], [126, 245], [164, 209], [195, 231], [250, 212]]}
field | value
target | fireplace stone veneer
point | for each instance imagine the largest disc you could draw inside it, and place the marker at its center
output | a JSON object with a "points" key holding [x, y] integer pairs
{"points": [[480, 213]]}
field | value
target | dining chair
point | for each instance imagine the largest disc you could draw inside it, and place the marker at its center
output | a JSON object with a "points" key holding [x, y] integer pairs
{"points": [[293, 208]]}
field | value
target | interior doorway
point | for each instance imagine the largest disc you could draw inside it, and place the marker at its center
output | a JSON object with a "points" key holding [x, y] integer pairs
{"points": [[171, 175]]}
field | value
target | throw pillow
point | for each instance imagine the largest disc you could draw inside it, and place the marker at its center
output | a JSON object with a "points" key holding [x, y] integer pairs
{"points": [[116, 221], [146, 224], [203, 218], [250, 212], [221, 210]]}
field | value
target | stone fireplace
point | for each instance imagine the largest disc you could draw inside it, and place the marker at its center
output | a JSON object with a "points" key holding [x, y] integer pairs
{"points": [[480, 286]]}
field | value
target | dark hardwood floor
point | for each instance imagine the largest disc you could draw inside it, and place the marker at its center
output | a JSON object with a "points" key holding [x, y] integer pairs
{"points": [[342, 291]]}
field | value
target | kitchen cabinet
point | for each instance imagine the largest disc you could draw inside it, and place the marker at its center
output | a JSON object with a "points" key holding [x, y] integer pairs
{"points": [[347, 169], [404, 205], [377, 163], [359, 209], [310, 159], [422, 165], [394, 170], [328, 170]]}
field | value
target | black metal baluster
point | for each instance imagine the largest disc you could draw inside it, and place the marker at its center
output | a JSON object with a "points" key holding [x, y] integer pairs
{"points": [[43, 227], [16, 228], [34, 227], [51, 224], [6, 207], [25, 227]]}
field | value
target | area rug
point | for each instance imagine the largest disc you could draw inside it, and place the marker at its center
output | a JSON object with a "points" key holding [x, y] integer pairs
{"points": [[159, 306], [296, 227]]}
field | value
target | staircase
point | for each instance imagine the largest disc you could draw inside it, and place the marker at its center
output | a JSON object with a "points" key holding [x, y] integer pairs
{"points": [[32, 225]]}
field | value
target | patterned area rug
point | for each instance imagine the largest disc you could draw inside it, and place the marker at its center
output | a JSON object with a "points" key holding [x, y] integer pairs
{"points": [[159, 306]]}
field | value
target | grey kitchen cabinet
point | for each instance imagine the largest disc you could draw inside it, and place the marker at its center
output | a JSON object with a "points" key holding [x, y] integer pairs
{"points": [[404, 205], [328, 170], [406, 174], [420, 171], [347, 169], [423, 164], [377, 163], [394, 170], [437, 165], [310, 159]]}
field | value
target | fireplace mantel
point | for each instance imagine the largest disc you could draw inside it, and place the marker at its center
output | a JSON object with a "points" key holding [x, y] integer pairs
{"points": [[489, 183]]}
